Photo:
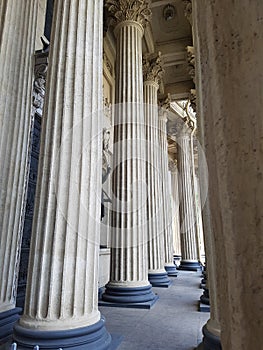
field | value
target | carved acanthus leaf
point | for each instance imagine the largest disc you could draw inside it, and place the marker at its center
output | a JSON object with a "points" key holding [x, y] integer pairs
{"points": [[152, 67], [129, 10]]}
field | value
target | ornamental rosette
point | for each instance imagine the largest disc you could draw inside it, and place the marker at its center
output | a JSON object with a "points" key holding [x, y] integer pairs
{"points": [[129, 10], [152, 67]]}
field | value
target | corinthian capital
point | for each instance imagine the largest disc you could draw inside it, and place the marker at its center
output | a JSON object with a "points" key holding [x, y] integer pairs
{"points": [[152, 67], [129, 10]]}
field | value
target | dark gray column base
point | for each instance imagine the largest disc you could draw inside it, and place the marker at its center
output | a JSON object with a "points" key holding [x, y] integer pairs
{"points": [[171, 270], [202, 285], [7, 321], [190, 266], [204, 300], [204, 307], [138, 297], [210, 341], [94, 337], [205, 297], [177, 259], [159, 280]]}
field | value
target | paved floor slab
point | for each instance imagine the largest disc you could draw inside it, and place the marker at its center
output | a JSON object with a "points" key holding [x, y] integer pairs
{"points": [[174, 323]]}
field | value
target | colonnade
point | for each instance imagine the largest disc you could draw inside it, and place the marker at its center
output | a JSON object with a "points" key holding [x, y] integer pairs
{"points": [[61, 307]]}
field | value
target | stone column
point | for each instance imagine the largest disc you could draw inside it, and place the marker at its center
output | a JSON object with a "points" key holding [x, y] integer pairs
{"points": [[61, 307], [17, 39], [166, 190], [231, 100], [211, 330], [129, 269], [175, 209], [187, 205], [152, 73]]}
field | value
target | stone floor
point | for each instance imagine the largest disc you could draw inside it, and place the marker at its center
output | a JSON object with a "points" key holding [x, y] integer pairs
{"points": [[174, 323]]}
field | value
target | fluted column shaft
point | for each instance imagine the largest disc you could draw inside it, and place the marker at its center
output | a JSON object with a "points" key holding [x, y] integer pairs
{"points": [[63, 265], [129, 268], [155, 236], [157, 273], [175, 211], [17, 38], [166, 194], [187, 205], [129, 255]]}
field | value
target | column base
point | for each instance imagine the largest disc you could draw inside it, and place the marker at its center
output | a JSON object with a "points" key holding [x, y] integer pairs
{"points": [[171, 270], [205, 297], [210, 341], [94, 337], [189, 266], [136, 297], [7, 321], [203, 283], [204, 307], [177, 259], [159, 279]]}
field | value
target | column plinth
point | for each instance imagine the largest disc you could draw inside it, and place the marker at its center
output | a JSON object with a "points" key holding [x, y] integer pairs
{"points": [[17, 45], [157, 274], [128, 285], [91, 337], [61, 306], [189, 260]]}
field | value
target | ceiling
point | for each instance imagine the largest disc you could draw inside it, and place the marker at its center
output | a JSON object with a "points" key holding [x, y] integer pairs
{"points": [[171, 37]]}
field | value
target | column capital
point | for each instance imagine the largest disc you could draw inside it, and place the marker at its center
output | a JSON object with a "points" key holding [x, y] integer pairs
{"points": [[129, 10], [152, 68]]}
